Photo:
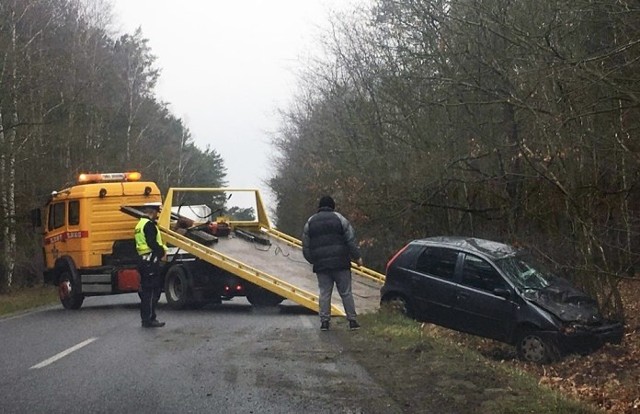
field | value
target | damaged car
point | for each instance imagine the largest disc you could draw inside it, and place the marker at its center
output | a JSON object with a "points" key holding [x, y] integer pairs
{"points": [[496, 291]]}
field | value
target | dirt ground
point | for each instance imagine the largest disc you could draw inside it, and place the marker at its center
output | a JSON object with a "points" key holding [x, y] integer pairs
{"points": [[607, 380]]}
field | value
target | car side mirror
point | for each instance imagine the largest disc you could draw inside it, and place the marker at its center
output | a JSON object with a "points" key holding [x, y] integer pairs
{"points": [[502, 292]]}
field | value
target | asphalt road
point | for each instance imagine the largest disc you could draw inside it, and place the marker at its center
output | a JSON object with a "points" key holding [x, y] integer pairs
{"points": [[229, 358]]}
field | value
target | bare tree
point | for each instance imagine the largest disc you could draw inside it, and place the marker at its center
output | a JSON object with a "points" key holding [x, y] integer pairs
{"points": [[495, 118]]}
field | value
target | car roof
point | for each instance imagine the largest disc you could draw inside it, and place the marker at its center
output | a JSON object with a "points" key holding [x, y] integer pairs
{"points": [[488, 248]]}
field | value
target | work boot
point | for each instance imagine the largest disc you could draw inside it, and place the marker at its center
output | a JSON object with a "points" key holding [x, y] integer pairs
{"points": [[324, 326], [153, 324], [354, 325]]}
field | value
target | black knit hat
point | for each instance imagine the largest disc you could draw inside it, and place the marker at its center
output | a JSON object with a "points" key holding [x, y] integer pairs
{"points": [[327, 201]]}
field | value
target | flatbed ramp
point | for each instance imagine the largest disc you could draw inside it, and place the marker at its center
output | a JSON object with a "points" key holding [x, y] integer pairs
{"points": [[286, 262], [280, 268], [272, 260]]}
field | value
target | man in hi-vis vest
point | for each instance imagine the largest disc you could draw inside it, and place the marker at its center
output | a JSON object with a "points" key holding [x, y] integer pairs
{"points": [[150, 251]]}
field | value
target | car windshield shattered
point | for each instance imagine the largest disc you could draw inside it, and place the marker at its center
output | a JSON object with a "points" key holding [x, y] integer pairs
{"points": [[525, 271]]}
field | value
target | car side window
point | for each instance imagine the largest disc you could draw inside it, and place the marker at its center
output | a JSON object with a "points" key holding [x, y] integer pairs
{"points": [[437, 262], [478, 273]]}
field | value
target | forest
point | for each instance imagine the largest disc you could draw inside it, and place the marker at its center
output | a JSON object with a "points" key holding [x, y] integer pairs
{"points": [[74, 98], [509, 120]]}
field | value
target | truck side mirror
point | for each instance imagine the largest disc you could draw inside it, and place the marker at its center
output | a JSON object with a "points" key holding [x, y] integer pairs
{"points": [[36, 218]]}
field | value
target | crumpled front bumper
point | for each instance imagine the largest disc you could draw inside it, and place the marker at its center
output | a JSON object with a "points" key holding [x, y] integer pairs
{"points": [[589, 338]]}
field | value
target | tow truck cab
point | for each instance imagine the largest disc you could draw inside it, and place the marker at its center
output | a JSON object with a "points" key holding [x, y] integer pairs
{"points": [[89, 246], [87, 241]]}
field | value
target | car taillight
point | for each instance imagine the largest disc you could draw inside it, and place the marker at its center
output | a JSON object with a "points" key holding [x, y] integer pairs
{"points": [[394, 257]]}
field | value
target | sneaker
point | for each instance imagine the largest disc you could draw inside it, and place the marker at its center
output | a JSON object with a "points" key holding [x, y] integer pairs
{"points": [[153, 324], [324, 326], [354, 325]]}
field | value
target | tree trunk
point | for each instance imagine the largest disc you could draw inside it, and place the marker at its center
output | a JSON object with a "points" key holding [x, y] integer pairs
{"points": [[8, 166]]}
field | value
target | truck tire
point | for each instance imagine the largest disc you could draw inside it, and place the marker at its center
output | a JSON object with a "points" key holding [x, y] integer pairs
{"points": [[69, 291], [177, 287], [258, 296]]}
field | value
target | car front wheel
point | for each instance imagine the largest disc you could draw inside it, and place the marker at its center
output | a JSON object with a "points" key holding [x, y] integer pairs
{"points": [[534, 347]]}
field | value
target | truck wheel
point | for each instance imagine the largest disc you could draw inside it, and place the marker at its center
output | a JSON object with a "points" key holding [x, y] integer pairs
{"points": [[262, 297], [177, 287], [69, 291]]}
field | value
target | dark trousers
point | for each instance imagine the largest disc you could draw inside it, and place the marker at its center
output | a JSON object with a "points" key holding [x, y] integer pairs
{"points": [[150, 289]]}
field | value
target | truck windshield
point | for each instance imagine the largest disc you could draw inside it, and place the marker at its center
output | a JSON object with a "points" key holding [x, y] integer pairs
{"points": [[525, 271]]}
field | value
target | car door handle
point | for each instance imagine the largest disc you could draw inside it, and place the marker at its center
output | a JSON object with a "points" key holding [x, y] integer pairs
{"points": [[462, 296]]}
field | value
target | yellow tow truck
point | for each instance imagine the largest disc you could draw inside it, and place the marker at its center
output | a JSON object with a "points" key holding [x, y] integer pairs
{"points": [[89, 248]]}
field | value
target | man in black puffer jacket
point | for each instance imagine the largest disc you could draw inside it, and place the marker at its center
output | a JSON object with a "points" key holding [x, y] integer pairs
{"points": [[329, 244]]}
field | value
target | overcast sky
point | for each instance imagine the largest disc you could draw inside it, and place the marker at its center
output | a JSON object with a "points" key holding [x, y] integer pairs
{"points": [[227, 66]]}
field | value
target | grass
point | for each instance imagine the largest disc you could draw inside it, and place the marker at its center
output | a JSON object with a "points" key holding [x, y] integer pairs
{"points": [[27, 298], [420, 369]]}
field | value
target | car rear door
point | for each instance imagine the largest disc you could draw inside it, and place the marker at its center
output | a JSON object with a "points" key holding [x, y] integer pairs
{"points": [[477, 307], [433, 284]]}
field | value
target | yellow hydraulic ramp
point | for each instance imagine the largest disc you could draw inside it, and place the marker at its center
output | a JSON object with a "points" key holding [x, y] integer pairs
{"points": [[236, 267], [357, 270], [259, 263]]}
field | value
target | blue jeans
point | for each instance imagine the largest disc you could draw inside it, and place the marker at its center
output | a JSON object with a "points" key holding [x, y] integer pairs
{"points": [[342, 280]]}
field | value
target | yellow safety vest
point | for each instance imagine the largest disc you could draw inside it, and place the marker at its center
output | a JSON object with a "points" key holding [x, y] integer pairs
{"points": [[141, 243]]}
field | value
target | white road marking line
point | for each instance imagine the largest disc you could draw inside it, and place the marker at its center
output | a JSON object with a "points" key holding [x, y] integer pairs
{"points": [[62, 354]]}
